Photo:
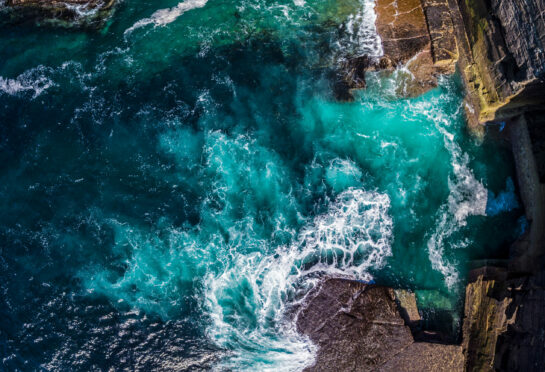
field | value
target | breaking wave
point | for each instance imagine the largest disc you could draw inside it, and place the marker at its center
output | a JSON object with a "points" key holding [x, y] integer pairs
{"points": [[467, 197], [351, 239], [163, 17], [359, 32], [32, 82]]}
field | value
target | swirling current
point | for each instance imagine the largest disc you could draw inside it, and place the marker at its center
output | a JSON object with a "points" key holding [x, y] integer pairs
{"points": [[173, 183]]}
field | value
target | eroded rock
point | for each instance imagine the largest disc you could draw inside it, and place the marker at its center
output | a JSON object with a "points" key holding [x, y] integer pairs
{"points": [[504, 327], [68, 12], [505, 69], [358, 327]]}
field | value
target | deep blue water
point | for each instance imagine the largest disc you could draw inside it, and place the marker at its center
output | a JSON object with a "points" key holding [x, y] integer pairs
{"points": [[174, 182]]}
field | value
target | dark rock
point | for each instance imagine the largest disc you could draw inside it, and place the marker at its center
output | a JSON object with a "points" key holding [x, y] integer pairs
{"points": [[68, 13], [504, 326], [528, 253], [351, 76], [358, 327], [505, 68], [422, 356], [355, 71]]}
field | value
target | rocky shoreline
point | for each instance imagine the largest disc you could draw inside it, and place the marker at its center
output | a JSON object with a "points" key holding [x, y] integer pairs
{"points": [[498, 47], [66, 13]]}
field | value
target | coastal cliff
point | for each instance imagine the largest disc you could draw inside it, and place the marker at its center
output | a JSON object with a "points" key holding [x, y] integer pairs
{"points": [[505, 66], [499, 49]]}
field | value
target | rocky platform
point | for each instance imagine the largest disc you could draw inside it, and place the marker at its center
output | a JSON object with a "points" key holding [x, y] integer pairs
{"points": [[360, 327]]}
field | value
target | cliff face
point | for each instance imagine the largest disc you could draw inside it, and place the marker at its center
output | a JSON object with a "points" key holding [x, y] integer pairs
{"points": [[504, 323], [499, 48], [505, 67]]}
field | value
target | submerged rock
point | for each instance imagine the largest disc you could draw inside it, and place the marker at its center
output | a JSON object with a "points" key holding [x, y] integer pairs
{"points": [[351, 76], [69, 12], [358, 327]]}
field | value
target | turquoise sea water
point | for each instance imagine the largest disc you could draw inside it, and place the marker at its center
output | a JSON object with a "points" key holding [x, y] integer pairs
{"points": [[173, 183]]}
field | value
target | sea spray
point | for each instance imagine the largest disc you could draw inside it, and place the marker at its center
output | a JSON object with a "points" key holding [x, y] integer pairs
{"points": [[172, 193], [249, 299], [163, 17], [34, 81]]}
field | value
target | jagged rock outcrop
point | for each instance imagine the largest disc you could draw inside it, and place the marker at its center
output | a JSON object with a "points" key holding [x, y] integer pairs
{"points": [[505, 66], [504, 326], [358, 327], [485, 319], [75, 11]]}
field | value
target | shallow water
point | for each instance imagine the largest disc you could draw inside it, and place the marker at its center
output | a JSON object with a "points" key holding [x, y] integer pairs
{"points": [[174, 183]]}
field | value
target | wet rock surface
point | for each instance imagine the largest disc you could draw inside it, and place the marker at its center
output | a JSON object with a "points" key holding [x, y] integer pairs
{"points": [[505, 68], [66, 13], [358, 327], [402, 28], [441, 28]]}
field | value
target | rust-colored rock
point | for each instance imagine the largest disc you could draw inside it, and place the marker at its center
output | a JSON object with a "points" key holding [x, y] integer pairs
{"points": [[441, 28], [418, 34], [402, 28]]}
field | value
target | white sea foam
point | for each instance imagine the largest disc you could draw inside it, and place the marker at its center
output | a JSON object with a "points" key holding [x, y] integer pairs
{"points": [[163, 17], [32, 81], [361, 37], [467, 197], [353, 237], [84, 10]]}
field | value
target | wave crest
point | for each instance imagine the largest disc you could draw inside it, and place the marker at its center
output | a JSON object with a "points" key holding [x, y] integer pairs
{"points": [[255, 292], [163, 17], [32, 81]]}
